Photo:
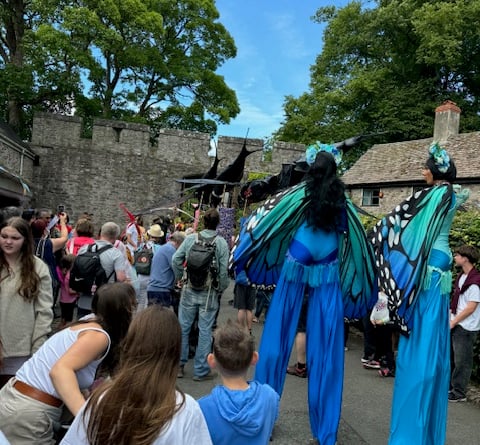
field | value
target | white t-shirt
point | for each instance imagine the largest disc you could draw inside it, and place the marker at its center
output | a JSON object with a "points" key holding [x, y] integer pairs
{"points": [[187, 427], [133, 232], [472, 322]]}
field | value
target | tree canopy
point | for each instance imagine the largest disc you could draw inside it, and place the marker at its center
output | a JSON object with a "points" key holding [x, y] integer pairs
{"points": [[151, 61], [384, 68]]}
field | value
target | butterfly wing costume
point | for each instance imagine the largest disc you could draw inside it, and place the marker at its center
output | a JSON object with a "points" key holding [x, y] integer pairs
{"points": [[262, 245], [414, 262], [402, 242], [334, 269]]}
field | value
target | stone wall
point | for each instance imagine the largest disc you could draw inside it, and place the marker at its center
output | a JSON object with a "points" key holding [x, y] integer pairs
{"points": [[119, 165]]}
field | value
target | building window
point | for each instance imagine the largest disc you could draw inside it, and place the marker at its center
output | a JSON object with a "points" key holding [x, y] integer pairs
{"points": [[371, 197]]}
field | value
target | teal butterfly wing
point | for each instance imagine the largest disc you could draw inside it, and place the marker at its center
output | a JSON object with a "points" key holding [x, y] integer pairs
{"points": [[262, 243], [402, 242], [357, 268]]}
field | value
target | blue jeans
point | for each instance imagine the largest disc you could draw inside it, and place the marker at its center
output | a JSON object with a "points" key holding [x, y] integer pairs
{"points": [[204, 303], [462, 359]]}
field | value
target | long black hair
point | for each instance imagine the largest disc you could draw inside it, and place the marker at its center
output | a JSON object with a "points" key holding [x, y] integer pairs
{"points": [[326, 193]]}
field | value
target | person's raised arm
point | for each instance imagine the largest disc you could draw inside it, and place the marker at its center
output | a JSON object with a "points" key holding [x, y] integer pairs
{"points": [[59, 243]]}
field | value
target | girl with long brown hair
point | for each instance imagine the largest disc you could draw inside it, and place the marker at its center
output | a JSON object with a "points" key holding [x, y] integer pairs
{"points": [[25, 297], [141, 405]]}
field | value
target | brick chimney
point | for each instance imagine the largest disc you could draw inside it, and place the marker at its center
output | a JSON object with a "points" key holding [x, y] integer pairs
{"points": [[447, 121]]}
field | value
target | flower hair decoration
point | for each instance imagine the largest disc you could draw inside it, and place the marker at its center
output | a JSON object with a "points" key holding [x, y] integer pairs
{"points": [[440, 157], [312, 150]]}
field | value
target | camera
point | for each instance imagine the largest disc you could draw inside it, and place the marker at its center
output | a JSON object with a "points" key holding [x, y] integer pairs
{"points": [[60, 209]]}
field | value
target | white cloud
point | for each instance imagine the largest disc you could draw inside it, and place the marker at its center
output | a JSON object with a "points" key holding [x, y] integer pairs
{"points": [[289, 36]]}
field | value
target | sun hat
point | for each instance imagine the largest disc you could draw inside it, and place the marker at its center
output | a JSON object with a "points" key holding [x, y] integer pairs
{"points": [[155, 231]]}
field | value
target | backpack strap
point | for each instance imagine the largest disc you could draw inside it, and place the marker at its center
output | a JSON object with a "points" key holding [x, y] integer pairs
{"points": [[40, 250], [97, 250], [110, 276], [204, 240]]}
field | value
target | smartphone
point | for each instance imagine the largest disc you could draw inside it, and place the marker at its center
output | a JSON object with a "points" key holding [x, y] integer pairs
{"points": [[60, 209]]}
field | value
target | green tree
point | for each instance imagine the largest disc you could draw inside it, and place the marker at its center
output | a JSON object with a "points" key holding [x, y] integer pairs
{"points": [[38, 69], [384, 69], [150, 61]]}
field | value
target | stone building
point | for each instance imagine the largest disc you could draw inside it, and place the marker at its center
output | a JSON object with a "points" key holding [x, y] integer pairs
{"points": [[388, 173], [118, 164]]}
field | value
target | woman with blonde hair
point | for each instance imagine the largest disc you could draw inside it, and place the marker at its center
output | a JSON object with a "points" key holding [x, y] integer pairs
{"points": [[141, 404]]}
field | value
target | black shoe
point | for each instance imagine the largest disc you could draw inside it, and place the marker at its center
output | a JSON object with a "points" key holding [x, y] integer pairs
{"points": [[454, 398], [296, 371]]}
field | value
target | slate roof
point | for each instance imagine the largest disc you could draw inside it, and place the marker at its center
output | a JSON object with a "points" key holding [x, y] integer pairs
{"points": [[401, 162]]}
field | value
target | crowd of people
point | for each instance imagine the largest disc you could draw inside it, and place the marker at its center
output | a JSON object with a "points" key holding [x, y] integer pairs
{"points": [[111, 363]]}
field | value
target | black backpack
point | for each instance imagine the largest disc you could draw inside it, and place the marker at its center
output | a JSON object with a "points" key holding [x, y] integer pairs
{"points": [[143, 260], [201, 264], [87, 270]]}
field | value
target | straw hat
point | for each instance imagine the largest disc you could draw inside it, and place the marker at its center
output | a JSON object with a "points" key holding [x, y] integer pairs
{"points": [[155, 231]]}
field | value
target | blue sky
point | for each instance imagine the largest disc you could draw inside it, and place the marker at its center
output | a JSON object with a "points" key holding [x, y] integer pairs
{"points": [[277, 42]]}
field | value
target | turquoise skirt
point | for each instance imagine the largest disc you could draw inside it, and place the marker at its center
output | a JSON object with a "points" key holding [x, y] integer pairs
{"points": [[420, 396]]}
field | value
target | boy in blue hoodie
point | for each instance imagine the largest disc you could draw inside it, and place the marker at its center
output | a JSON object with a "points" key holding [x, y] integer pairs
{"points": [[239, 411]]}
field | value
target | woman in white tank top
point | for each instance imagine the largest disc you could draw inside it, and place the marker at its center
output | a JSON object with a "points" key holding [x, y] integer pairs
{"points": [[64, 367]]}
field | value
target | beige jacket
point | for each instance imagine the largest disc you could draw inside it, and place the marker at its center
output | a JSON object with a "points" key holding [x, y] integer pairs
{"points": [[24, 326]]}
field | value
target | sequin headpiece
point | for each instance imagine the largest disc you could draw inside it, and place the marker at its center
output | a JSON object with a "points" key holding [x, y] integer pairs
{"points": [[440, 157], [312, 150]]}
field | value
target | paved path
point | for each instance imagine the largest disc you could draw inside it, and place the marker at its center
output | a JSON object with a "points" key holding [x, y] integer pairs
{"points": [[366, 402]]}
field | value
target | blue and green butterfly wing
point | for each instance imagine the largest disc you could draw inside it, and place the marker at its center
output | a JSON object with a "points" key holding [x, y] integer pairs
{"points": [[262, 243], [357, 268], [402, 242]]}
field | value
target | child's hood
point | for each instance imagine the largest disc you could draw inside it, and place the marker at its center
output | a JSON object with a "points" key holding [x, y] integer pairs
{"points": [[243, 409]]}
